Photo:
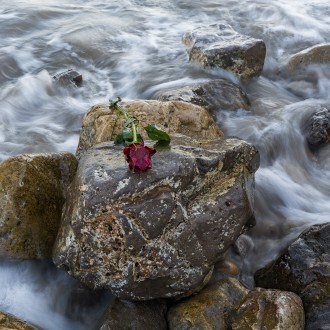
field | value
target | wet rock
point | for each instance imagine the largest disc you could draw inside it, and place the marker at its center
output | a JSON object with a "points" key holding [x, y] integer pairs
{"points": [[219, 46], [213, 95], [209, 309], [304, 269], [68, 78], [160, 233], [101, 124], [269, 309], [9, 322], [317, 129], [135, 315], [31, 198], [318, 54]]}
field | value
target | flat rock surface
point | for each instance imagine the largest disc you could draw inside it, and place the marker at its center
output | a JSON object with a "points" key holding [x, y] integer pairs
{"points": [[101, 124]]}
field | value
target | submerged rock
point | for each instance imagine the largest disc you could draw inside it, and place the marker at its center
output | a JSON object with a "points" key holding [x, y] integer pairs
{"points": [[32, 189], [68, 78], [269, 309], [318, 54], [9, 322], [135, 315], [304, 268], [213, 95], [160, 233], [101, 124], [209, 309], [219, 46]]}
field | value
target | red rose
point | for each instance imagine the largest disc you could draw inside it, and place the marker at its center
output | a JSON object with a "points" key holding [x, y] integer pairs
{"points": [[138, 157]]}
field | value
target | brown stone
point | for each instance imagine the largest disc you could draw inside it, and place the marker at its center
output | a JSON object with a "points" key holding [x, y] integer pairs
{"points": [[31, 198], [101, 124], [270, 309], [209, 309], [10, 322], [318, 54], [135, 315]]}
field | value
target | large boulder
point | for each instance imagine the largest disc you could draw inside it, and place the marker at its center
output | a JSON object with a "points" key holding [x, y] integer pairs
{"points": [[135, 315], [219, 46], [157, 234], [213, 95], [318, 54], [101, 124], [32, 194], [10, 322], [209, 309], [269, 309], [304, 268]]}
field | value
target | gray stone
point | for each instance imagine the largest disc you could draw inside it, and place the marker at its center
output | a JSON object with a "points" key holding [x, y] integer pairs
{"points": [[32, 194], [219, 46], [317, 128], [269, 309], [304, 268], [209, 309], [68, 78], [213, 95], [135, 315], [157, 234], [101, 124]]}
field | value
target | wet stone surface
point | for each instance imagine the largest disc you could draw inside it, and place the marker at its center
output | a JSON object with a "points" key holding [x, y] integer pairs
{"points": [[157, 234]]}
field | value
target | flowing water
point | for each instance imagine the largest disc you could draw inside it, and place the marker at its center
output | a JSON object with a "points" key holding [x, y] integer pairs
{"points": [[132, 48]]}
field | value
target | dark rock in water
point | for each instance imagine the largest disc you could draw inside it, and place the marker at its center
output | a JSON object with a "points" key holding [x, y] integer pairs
{"points": [[269, 309], [9, 322], [32, 194], [305, 269], [209, 309], [213, 95], [318, 54], [219, 46], [317, 129], [69, 77], [135, 315], [160, 233]]}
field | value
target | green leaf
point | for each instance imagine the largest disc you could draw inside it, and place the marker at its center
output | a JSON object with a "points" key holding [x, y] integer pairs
{"points": [[127, 134], [119, 139], [162, 144], [129, 121], [156, 134]]}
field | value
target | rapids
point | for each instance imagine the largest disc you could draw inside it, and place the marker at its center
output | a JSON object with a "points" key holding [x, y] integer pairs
{"points": [[132, 48]]}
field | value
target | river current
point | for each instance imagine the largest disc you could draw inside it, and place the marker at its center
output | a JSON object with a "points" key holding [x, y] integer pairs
{"points": [[132, 48]]}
